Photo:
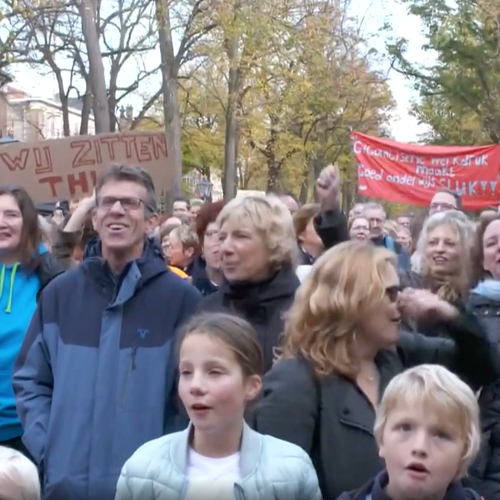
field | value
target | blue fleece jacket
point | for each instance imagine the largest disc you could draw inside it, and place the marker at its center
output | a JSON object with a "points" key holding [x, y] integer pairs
{"points": [[18, 291], [95, 377]]}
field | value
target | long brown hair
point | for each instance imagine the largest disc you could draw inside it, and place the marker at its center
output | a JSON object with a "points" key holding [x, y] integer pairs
{"points": [[31, 235]]}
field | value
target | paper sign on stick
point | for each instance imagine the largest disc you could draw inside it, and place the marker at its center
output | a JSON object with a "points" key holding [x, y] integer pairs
{"points": [[69, 168]]}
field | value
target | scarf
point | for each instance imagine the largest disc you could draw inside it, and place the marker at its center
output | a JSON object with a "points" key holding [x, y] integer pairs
{"points": [[488, 288]]}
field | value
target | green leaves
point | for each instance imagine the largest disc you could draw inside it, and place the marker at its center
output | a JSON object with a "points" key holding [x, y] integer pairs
{"points": [[460, 88]]}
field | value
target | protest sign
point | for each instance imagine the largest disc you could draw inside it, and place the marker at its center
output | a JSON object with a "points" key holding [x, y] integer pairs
{"points": [[408, 173], [69, 168]]}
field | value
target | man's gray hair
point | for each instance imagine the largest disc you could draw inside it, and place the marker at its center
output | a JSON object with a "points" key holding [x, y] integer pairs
{"points": [[131, 174], [373, 206]]}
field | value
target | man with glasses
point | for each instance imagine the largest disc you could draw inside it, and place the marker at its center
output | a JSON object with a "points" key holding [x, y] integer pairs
{"points": [[444, 200], [95, 378]]}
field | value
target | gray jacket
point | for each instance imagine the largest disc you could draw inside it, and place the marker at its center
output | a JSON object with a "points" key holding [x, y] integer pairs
{"points": [[271, 469]]}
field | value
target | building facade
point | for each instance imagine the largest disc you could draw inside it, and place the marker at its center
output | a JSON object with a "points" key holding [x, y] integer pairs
{"points": [[28, 118]]}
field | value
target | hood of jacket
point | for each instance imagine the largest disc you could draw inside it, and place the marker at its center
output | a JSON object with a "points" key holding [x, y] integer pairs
{"points": [[488, 289], [149, 265], [46, 269], [282, 284]]}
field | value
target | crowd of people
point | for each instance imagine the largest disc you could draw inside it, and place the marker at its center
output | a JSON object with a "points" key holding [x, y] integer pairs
{"points": [[249, 350]]}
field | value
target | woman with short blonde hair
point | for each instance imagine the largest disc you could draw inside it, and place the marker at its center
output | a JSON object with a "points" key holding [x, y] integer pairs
{"points": [[342, 346], [271, 219], [258, 253]]}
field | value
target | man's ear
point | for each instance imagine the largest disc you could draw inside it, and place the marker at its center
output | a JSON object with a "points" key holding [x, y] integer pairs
{"points": [[189, 252], [151, 223]]}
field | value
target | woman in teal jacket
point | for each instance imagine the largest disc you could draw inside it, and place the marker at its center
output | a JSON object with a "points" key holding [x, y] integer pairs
{"points": [[25, 268]]}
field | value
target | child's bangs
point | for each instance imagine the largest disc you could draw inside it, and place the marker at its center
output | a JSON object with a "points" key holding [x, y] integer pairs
{"points": [[451, 415]]}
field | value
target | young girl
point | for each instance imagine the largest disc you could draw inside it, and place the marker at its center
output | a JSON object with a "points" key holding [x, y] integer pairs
{"points": [[218, 456], [18, 476]]}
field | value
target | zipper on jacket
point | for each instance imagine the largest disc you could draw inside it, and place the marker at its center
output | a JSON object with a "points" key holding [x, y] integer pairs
{"points": [[238, 492], [132, 368], [134, 352]]}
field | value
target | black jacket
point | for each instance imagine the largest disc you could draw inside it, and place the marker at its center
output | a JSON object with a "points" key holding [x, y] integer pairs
{"points": [[374, 490], [484, 475], [332, 420], [199, 277], [48, 268], [331, 227], [261, 304]]}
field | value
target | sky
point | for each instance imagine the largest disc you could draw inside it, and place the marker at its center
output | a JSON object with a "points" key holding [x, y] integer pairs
{"points": [[403, 127]]}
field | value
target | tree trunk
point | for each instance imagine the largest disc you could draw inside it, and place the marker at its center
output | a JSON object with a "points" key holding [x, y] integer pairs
{"points": [[86, 105], [304, 187], [62, 94], [113, 89], [273, 166], [96, 66], [230, 143], [169, 71]]}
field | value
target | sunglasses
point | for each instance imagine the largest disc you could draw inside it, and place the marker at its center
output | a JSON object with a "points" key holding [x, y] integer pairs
{"points": [[393, 292]]}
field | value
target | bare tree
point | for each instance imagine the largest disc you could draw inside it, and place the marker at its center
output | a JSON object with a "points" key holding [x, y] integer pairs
{"points": [[195, 25], [87, 11]]}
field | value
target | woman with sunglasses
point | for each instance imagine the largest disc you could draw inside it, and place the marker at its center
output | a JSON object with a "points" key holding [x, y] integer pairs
{"points": [[342, 346]]}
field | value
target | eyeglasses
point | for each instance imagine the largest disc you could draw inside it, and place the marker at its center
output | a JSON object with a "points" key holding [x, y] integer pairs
{"points": [[393, 292], [212, 235], [441, 206], [128, 203]]}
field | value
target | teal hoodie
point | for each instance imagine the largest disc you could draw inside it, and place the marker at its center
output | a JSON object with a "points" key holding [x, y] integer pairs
{"points": [[18, 292]]}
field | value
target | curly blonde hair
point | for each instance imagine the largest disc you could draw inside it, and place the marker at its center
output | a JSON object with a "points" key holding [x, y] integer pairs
{"points": [[346, 284], [271, 219]]}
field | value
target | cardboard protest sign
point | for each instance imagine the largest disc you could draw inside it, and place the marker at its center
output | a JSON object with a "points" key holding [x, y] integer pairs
{"points": [[407, 173], [69, 168]]}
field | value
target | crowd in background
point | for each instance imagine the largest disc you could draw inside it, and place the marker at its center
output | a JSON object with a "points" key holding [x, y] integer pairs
{"points": [[131, 343]]}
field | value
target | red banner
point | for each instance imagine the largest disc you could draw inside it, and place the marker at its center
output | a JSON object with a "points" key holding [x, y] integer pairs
{"points": [[407, 173]]}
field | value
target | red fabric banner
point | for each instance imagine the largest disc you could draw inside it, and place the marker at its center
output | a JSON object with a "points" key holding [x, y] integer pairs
{"points": [[406, 173]]}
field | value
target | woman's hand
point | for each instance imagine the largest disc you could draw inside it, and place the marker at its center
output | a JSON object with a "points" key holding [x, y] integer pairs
{"points": [[425, 305]]}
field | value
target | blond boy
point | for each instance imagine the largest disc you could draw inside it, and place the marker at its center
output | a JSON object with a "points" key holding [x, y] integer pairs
{"points": [[18, 476], [427, 429]]}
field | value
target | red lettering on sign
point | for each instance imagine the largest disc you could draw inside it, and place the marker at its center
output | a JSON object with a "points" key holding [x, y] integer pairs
{"points": [[159, 146], [143, 148], [128, 140], [110, 142], [18, 162], [98, 151], [78, 180], [84, 148], [43, 163], [53, 181]]}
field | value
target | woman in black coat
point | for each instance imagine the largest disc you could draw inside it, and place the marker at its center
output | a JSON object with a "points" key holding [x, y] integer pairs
{"points": [[484, 302], [258, 251], [206, 273], [342, 347]]}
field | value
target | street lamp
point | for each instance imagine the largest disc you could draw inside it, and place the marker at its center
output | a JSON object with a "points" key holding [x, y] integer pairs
{"points": [[205, 189]]}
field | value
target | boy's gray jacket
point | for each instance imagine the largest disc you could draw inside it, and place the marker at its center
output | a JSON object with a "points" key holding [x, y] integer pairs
{"points": [[95, 378], [271, 469]]}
